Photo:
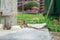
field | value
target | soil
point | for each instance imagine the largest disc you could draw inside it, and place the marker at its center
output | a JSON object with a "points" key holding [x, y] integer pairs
{"points": [[55, 35]]}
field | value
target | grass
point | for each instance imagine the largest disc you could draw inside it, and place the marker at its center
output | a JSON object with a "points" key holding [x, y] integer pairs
{"points": [[31, 18], [39, 18]]}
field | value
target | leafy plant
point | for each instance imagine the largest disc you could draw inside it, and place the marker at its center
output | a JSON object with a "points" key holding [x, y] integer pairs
{"points": [[32, 4]]}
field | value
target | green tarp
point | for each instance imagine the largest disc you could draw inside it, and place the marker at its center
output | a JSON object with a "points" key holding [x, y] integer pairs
{"points": [[57, 5], [47, 3]]}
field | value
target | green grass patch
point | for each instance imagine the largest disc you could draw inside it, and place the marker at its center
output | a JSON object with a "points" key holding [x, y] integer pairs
{"points": [[31, 18]]}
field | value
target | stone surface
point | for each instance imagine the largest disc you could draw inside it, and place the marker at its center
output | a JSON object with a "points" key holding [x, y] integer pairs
{"points": [[38, 25], [1, 26], [16, 27], [28, 34], [9, 7], [9, 13]]}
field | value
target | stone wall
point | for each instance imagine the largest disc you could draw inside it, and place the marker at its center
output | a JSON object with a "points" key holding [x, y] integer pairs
{"points": [[9, 12]]}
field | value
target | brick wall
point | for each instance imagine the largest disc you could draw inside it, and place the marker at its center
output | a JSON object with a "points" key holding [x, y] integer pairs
{"points": [[41, 6]]}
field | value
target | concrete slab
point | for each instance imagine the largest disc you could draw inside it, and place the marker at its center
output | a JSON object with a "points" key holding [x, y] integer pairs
{"points": [[26, 34]]}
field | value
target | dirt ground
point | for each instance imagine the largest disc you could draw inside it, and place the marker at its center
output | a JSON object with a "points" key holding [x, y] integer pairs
{"points": [[55, 35]]}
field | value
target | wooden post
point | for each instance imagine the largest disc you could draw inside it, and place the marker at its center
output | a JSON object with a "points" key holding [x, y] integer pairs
{"points": [[51, 2], [9, 13]]}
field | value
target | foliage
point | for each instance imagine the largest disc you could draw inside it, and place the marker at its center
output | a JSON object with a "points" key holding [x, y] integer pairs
{"points": [[32, 4], [31, 18], [39, 18]]}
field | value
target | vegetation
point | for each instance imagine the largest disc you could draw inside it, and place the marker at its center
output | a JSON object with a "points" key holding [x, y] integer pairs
{"points": [[32, 4], [39, 18]]}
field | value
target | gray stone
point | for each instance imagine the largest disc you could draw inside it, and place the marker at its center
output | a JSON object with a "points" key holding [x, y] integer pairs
{"points": [[28, 34], [9, 13]]}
